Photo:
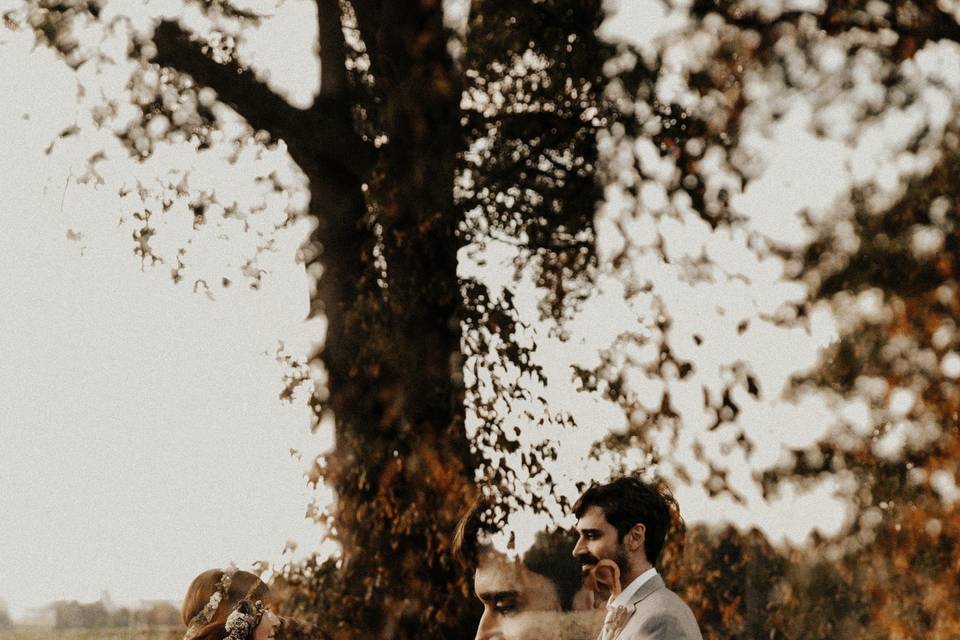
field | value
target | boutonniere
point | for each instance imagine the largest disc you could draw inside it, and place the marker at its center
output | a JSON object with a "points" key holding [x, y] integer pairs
{"points": [[605, 576], [615, 621]]}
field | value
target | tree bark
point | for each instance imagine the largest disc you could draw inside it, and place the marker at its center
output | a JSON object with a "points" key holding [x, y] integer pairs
{"points": [[402, 465]]}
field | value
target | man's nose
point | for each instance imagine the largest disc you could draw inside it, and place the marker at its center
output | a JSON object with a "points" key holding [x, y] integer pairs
{"points": [[580, 548], [489, 627]]}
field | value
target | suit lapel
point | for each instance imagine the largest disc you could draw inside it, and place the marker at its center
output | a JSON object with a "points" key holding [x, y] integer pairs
{"points": [[648, 587]]}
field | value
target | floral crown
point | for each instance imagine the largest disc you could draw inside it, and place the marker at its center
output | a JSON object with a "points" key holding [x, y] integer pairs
{"points": [[242, 620]]}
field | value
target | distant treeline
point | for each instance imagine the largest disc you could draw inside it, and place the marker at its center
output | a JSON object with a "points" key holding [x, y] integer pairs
{"points": [[70, 614], [5, 621]]}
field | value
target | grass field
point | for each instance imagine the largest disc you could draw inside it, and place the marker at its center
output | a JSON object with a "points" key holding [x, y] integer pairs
{"points": [[34, 633]]}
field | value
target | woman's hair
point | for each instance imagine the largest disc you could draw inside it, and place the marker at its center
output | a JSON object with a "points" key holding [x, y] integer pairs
{"points": [[243, 585], [466, 545]]}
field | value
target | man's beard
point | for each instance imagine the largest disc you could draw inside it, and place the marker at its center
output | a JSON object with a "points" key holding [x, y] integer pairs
{"points": [[619, 557]]}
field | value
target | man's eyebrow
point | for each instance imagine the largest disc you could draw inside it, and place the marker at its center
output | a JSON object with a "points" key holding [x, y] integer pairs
{"points": [[497, 595], [588, 530]]}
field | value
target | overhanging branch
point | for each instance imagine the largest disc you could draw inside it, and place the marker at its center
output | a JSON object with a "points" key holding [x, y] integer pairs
{"points": [[932, 25], [318, 140], [234, 85]]}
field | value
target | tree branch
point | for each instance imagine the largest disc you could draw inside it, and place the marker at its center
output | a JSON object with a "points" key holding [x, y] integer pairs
{"points": [[318, 142], [333, 50], [234, 85], [934, 24]]}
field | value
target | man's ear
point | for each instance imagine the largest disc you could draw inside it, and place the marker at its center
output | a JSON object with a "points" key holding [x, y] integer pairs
{"points": [[636, 537]]}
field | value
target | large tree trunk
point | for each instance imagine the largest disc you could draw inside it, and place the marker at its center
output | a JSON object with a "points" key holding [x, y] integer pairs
{"points": [[390, 293]]}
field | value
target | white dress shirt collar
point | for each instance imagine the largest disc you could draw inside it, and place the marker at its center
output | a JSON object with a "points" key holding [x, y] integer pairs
{"points": [[627, 594]]}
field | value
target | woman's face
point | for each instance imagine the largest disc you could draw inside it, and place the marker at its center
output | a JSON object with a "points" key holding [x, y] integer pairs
{"points": [[267, 627]]}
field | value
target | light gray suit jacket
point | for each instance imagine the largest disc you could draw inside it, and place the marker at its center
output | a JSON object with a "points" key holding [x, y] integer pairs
{"points": [[659, 614]]}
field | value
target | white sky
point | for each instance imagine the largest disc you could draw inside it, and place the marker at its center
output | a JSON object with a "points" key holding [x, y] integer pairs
{"points": [[141, 437]]}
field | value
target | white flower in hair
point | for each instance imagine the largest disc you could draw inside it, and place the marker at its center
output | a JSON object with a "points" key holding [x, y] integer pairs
{"points": [[206, 614], [214, 603], [243, 620]]}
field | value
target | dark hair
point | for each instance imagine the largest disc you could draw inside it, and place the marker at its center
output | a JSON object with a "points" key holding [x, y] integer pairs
{"points": [[627, 501], [466, 545], [552, 556]]}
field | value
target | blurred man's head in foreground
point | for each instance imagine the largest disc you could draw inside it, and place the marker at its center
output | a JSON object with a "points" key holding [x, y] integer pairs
{"points": [[523, 598]]}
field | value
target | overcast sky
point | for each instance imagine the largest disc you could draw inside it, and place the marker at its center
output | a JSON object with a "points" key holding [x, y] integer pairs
{"points": [[141, 435]]}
